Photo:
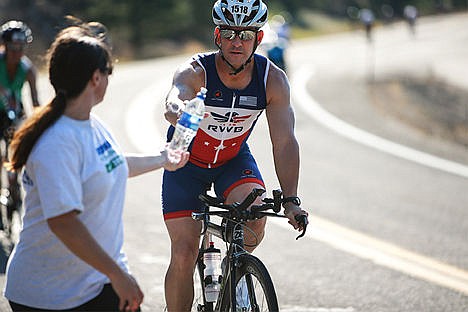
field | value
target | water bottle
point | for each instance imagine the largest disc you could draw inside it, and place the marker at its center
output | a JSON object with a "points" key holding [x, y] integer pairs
{"points": [[212, 272], [188, 123]]}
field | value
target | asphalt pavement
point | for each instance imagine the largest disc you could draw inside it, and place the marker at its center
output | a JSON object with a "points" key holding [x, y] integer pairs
{"points": [[353, 102]]}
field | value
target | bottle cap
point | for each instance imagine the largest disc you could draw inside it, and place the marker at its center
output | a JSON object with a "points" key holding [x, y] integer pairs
{"points": [[202, 93]]}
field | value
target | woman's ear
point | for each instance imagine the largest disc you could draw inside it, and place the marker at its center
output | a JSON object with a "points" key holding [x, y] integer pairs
{"points": [[95, 78]]}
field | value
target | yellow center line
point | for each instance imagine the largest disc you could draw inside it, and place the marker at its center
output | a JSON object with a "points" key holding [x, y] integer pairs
{"points": [[386, 254]]}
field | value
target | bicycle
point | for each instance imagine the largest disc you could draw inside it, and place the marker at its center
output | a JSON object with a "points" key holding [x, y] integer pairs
{"points": [[10, 189], [245, 284]]}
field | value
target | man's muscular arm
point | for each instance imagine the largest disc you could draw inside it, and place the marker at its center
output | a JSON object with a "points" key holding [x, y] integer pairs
{"points": [[187, 81], [281, 120]]}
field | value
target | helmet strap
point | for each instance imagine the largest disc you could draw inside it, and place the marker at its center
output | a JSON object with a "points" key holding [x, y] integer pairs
{"points": [[242, 67]]}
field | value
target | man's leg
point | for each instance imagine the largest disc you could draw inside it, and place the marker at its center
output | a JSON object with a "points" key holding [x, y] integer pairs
{"points": [[185, 235], [258, 226]]}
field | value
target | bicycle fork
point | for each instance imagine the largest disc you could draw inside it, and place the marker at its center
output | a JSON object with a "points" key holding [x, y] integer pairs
{"points": [[233, 257]]}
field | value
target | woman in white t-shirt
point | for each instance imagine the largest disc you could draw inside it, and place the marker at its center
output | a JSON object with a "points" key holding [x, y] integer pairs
{"points": [[69, 254]]}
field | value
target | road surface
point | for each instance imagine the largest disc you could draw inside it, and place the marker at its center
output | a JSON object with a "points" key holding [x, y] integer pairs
{"points": [[388, 222]]}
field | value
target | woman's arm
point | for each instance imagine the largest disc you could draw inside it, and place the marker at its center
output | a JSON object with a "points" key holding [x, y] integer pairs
{"points": [[76, 237], [168, 159]]}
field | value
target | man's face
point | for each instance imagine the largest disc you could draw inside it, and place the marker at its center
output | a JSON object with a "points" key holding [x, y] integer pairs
{"points": [[237, 43]]}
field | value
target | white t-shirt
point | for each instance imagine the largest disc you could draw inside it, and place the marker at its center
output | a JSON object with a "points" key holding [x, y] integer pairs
{"points": [[75, 165]]}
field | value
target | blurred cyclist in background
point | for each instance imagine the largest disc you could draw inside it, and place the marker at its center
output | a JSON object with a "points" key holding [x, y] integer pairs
{"points": [[410, 13], [276, 40], [367, 18], [15, 69]]}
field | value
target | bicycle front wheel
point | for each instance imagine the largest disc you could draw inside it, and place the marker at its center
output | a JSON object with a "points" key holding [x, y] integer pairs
{"points": [[254, 288]]}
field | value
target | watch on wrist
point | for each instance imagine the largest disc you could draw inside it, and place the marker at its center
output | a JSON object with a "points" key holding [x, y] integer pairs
{"points": [[292, 199]]}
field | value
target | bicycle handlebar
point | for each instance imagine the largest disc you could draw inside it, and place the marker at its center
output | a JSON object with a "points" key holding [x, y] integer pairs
{"points": [[240, 212]]}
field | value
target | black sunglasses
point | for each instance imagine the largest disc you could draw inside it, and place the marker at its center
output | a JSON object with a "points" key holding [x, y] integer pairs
{"points": [[244, 35]]}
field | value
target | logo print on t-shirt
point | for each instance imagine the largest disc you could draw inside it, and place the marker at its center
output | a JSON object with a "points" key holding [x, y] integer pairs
{"points": [[109, 156], [26, 179]]}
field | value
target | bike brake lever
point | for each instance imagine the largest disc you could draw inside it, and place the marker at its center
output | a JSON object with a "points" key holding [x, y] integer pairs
{"points": [[250, 198], [302, 220], [277, 196], [209, 200]]}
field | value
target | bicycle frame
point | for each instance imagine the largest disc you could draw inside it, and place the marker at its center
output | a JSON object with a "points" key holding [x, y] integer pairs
{"points": [[235, 239]]}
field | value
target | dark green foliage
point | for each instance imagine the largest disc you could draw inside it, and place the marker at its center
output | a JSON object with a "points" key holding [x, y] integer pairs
{"points": [[137, 23]]}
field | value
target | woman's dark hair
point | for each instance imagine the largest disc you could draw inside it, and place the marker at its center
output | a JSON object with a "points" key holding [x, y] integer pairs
{"points": [[73, 57]]}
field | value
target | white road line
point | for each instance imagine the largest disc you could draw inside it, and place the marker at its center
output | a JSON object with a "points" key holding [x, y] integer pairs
{"points": [[140, 119], [145, 135], [358, 244], [314, 109]]}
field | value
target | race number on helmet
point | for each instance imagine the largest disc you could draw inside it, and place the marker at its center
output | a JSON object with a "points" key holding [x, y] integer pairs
{"points": [[240, 13]]}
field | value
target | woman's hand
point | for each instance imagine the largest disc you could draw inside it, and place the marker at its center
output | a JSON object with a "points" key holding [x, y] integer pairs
{"points": [[174, 159], [130, 294]]}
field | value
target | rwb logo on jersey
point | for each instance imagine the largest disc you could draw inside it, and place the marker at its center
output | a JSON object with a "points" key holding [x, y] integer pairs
{"points": [[225, 123], [228, 122], [229, 117]]}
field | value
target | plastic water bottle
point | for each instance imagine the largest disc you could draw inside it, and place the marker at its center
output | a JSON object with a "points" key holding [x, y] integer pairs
{"points": [[212, 272], [188, 123]]}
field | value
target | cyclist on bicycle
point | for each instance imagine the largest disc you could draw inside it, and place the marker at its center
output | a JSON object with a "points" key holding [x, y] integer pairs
{"points": [[15, 69], [241, 84]]}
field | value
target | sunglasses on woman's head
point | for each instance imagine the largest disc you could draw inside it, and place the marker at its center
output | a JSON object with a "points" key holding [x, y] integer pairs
{"points": [[244, 35], [107, 70]]}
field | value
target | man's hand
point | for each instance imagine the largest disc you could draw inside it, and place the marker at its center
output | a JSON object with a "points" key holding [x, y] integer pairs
{"points": [[174, 108], [291, 211]]}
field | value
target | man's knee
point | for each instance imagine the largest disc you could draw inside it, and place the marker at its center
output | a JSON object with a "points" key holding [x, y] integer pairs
{"points": [[184, 255], [257, 225], [185, 236]]}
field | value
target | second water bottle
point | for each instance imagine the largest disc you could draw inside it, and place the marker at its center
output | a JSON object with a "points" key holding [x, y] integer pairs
{"points": [[212, 272]]}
